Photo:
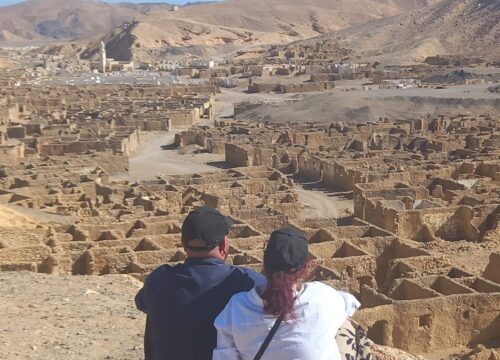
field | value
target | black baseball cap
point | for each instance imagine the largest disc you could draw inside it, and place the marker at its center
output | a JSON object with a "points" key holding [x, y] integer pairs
{"points": [[286, 251], [206, 224]]}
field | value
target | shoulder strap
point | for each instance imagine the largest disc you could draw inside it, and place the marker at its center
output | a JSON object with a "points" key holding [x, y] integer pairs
{"points": [[269, 337]]}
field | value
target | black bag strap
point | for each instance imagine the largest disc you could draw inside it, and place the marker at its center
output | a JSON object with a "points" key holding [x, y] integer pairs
{"points": [[269, 337]]}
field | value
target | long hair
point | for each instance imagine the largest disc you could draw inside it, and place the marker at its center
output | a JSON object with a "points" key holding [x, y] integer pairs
{"points": [[279, 296]]}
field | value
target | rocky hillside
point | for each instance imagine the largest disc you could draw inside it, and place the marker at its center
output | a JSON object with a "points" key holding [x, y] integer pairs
{"points": [[450, 27], [239, 23], [65, 19], [224, 22]]}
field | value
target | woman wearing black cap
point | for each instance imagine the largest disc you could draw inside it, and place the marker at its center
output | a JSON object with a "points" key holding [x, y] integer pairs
{"points": [[289, 318]]}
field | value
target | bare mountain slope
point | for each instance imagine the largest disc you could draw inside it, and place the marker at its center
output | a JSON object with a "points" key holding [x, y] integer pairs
{"points": [[241, 23], [64, 19], [451, 27], [298, 15], [228, 21]]}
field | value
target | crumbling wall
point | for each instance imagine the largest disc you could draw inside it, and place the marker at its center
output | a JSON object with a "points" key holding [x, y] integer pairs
{"points": [[185, 118], [238, 155], [428, 325], [186, 138], [306, 87], [310, 167], [492, 271], [263, 88]]}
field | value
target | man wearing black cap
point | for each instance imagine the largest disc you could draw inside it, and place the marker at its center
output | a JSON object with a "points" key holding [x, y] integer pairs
{"points": [[182, 301]]}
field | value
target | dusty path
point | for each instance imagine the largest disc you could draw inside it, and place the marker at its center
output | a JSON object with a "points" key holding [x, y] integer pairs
{"points": [[318, 203], [321, 202]]}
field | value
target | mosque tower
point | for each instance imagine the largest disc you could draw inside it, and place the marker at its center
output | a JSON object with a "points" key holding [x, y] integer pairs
{"points": [[102, 58]]}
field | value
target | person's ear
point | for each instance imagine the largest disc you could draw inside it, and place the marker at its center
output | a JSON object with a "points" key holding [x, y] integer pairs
{"points": [[224, 246]]}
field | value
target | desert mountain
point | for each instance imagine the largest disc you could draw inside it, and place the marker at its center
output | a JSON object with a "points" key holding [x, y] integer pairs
{"points": [[450, 27], [301, 18], [230, 21], [237, 23], [65, 19]]}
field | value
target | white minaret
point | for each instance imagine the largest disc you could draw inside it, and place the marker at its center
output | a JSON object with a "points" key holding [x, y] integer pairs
{"points": [[102, 58]]}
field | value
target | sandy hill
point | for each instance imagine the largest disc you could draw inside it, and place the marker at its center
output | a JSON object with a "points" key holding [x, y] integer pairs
{"points": [[64, 19], [450, 27]]}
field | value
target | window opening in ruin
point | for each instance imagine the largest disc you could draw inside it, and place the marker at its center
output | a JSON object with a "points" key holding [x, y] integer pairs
{"points": [[466, 315], [378, 332], [349, 271], [424, 321]]}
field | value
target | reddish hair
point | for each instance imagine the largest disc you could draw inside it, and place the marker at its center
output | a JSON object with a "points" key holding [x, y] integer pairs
{"points": [[279, 294]]}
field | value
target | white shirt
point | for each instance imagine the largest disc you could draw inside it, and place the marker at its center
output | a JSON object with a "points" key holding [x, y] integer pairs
{"points": [[320, 311]]}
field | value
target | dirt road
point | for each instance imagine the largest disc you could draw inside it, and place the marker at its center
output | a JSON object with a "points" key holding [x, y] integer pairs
{"points": [[321, 202]]}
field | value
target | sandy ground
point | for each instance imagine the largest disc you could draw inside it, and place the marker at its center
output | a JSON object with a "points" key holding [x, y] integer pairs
{"points": [[154, 158], [69, 317], [347, 102], [14, 215], [238, 95], [151, 160], [320, 202], [77, 317], [12, 218]]}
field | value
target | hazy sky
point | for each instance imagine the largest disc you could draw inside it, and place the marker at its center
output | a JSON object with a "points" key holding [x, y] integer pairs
{"points": [[9, 2]]}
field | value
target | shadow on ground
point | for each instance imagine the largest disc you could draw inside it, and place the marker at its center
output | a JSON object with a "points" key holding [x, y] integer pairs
{"points": [[320, 186], [169, 147], [220, 164]]}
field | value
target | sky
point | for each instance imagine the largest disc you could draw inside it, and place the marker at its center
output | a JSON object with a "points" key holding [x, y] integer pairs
{"points": [[180, 2]]}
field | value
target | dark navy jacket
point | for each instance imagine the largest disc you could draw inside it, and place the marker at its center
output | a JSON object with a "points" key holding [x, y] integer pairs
{"points": [[182, 302]]}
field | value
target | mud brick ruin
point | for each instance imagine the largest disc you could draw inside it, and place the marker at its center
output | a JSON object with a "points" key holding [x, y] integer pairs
{"points": [[419, 249], [133, 228]]}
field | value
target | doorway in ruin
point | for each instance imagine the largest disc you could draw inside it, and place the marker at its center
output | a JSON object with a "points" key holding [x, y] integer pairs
{"points": [[379, 333]]}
